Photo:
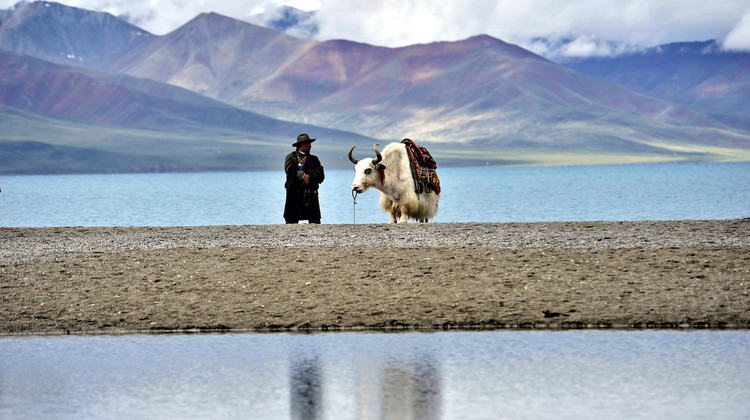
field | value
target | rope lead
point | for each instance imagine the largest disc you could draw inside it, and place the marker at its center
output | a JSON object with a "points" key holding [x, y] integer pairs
{"points": [[354, 212]]}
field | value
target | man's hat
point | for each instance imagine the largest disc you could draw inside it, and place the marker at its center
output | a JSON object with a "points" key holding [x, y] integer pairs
{"points": [[303, 138]]}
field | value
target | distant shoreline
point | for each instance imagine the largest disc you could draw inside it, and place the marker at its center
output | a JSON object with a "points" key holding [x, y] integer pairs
{"points": [[531, 160], [653, 274]]}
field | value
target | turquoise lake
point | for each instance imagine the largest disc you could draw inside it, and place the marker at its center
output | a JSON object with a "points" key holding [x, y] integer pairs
{"points": [[667, 191], [592, 374]]}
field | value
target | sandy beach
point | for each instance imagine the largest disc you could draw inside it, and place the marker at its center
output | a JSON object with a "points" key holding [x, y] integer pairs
{"points": [[661, 274]]}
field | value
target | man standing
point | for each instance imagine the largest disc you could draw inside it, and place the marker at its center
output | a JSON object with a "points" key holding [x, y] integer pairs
{"points": [[304, 173]]}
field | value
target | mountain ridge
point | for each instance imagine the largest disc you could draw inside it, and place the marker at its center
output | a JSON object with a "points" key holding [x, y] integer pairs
{"points": [[475, 100], [165, 126], [43, 30], [429, 90], [696, 74]]}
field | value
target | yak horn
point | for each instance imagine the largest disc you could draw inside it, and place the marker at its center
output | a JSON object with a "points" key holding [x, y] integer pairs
{"points": [[377, 153], [354, 161]]}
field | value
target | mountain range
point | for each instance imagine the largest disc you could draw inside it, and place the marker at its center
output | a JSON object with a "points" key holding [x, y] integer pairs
{"points": [[223, 94], [695, 74]]}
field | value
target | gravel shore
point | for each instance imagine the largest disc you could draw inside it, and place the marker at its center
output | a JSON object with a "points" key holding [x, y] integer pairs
{"points": [[684, 274]]}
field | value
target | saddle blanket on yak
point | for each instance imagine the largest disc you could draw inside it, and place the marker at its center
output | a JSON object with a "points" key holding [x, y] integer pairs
{"points": [[423, 168]]}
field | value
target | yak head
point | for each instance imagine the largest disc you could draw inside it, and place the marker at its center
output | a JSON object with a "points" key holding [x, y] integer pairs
{"points": [[368, 172]]}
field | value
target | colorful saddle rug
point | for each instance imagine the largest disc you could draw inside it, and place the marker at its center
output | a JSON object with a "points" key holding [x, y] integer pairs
{"points": [[423, 168]]}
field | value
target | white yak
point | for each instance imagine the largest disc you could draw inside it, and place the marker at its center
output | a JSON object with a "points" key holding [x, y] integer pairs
{"points": [[391, 174]]}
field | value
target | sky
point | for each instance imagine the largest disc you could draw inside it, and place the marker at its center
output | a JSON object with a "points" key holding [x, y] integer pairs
{"points": [[574, 28]]}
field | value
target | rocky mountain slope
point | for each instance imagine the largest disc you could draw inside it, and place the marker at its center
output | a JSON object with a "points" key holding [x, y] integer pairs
{"points": [[476, 100]]}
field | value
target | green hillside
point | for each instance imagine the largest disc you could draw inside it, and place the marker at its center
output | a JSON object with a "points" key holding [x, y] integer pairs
{"points": [[34, 144]]}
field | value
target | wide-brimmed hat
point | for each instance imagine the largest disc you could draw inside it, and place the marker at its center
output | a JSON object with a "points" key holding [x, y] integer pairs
{"points": [[303, 138]]}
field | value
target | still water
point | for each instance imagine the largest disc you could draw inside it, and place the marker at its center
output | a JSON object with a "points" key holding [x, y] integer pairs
{"points": [[442, 375], [665, 191]]}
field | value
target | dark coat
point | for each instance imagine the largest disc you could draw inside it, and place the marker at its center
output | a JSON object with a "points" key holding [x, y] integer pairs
{"points": [[302, 199]]}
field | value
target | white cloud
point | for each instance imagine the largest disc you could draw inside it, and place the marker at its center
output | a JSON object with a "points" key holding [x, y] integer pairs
{"points": [[739, 38], [306, 5], [581, 47], [397, 23], [591, 24], [644, 22], [162, 16], [585, 46]]}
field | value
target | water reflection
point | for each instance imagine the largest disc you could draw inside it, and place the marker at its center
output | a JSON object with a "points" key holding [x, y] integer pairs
{"points": [[411, 391], [381, 388], [445, 375], [305, 387]]}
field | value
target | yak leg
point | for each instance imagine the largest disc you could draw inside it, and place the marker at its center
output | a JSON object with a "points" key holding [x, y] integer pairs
{"points": [[401, 210], [389, 206], [395, 211], [403, 215], [398, 213]]}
